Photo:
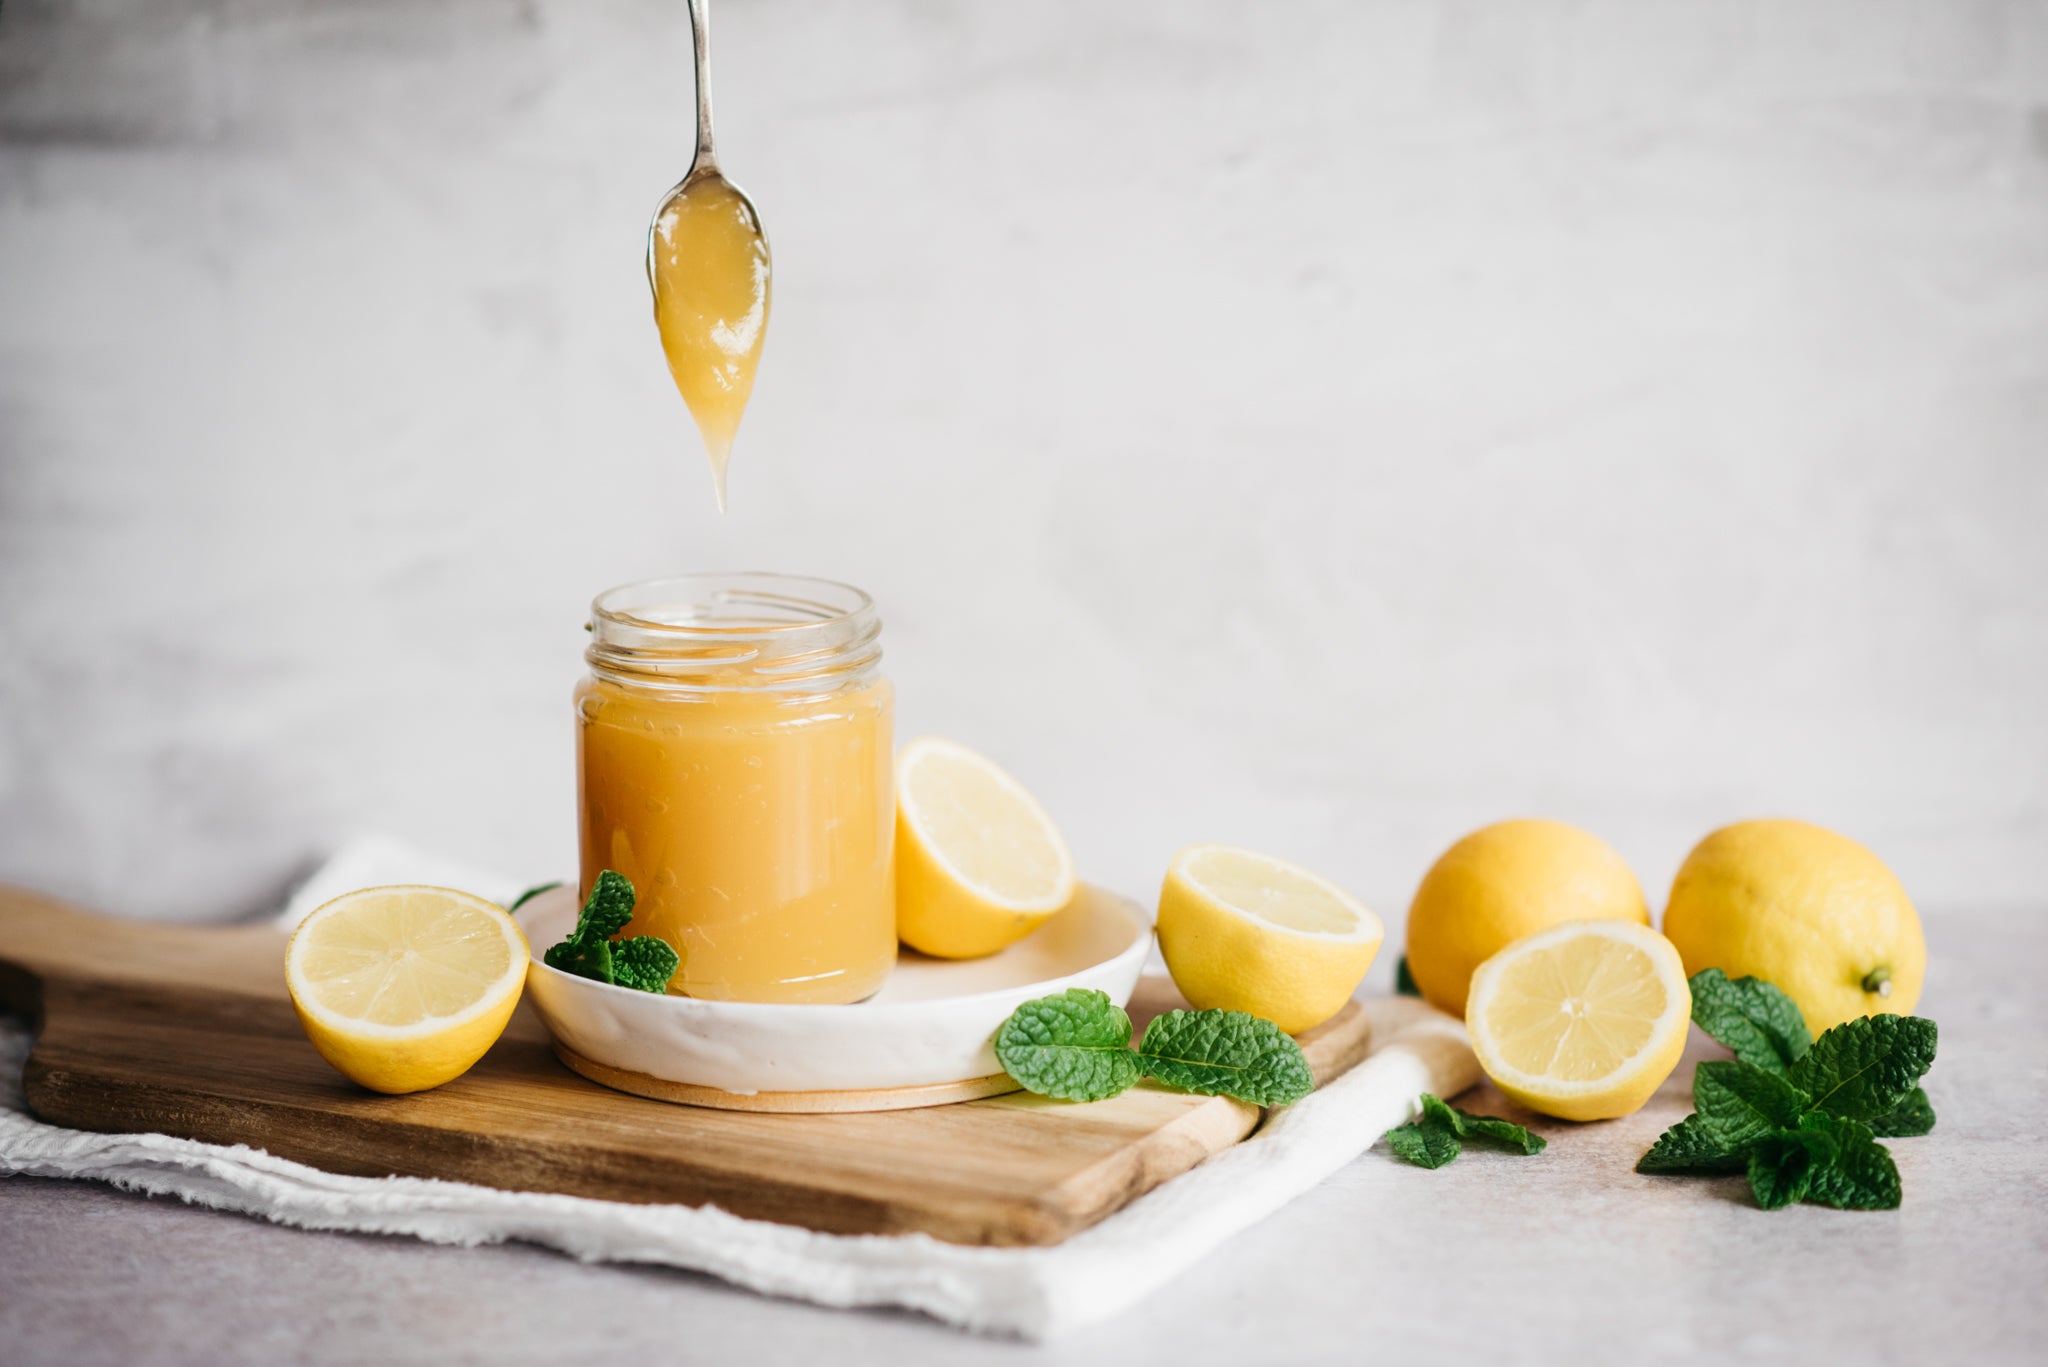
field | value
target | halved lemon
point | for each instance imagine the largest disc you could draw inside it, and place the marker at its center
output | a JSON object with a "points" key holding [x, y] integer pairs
{"points": [[1246, 932], [979, 865], [403, 988], [1583, 1021]]}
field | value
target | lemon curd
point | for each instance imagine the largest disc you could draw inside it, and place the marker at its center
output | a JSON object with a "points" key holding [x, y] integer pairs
{"points": [[735, 763], [707, 262]]}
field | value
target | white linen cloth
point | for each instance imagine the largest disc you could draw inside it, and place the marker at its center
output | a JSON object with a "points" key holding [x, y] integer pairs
{"points": [[1032, 1293]]}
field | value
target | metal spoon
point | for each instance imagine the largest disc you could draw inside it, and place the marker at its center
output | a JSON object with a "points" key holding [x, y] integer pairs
{"points": [[743, 333]]}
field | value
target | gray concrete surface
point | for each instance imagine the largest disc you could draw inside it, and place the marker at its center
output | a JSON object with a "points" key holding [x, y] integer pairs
{"points": [[1566, 1257]]}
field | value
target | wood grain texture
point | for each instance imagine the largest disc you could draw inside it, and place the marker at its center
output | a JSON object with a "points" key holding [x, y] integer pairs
{"points": [[189, 1031]]}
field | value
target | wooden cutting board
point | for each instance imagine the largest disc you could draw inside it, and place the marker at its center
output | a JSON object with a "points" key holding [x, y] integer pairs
{"points": [[188, 1031]]}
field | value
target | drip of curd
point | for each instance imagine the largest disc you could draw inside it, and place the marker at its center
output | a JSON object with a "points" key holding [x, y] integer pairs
{"points": [[707, 262]]}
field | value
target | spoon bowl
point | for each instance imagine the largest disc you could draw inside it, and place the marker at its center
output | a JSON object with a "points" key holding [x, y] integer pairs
{"points": [[708, 268]]}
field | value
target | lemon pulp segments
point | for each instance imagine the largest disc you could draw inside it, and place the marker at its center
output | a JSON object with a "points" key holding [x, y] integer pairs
{"points": [[403, 961], [1273, 891], [403, 988], [1577, 1010], [987, 829], [1583, 1021], [979, 865]]}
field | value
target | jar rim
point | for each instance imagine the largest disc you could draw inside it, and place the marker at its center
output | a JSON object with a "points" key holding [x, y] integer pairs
{"points": [[752, 630], [762, 589]]}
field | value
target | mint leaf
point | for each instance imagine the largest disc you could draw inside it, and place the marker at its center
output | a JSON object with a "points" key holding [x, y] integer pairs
{"points": [[1424, 1143], [1862, 1175], [1435, 1136], [1226, 1053], [1864, 1068], [1504, 1133], [523, 898], [1493, 1129], [1074, 1045], [591, 959], [1404, 981], [1783, 1166], [1761, 1024], [608, 909], [1739, 1103], [1690, 1147], [1911, 1117], [644, 963]]}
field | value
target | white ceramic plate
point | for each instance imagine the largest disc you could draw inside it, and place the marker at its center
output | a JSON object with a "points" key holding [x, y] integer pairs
{"points": [[933, 1022]]}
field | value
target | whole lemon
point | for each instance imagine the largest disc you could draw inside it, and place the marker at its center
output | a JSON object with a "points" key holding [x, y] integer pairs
{"points": [[1503, 882], [1802, 907]]}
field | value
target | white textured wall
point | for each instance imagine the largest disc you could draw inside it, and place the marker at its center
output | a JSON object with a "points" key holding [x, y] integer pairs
{"points": [[1324, 427]]}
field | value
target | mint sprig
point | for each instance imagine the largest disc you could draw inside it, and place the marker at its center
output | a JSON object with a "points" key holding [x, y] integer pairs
{"points": [[644, 963], [1076, 1046], [1799, 1115], [1439, 1131]]}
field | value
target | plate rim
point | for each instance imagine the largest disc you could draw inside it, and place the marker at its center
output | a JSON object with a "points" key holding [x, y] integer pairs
{"points": [[1132, 910]]}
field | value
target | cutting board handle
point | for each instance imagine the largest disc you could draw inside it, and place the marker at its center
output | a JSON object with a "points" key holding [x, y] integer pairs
{"points": [[44, 940]]}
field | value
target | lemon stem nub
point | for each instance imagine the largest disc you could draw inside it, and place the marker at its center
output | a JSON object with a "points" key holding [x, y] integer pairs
{"points": [[1878, 980]]}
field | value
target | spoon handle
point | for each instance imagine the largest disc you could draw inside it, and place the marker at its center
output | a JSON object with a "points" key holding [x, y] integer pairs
{"points": [[700, 39]]}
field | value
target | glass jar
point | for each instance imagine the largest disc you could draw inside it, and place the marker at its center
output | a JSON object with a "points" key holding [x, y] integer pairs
{"points": [[734, 761]]}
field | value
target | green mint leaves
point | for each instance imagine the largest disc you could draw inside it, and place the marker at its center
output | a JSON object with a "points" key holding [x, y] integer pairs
{"points": [[1076, 1046], [1866, 1068], [1690, 1148], [1226, 1053], [1761, 1024], [1782, 1165], [608, 909], [1799, 1115], [1425, 1145], [1828, 1160], [643, 963], [1739, 1103], [1862, 1176], [1908, 1120], [1439, 1132]]}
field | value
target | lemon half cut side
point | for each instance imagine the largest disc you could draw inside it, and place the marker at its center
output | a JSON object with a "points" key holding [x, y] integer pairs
{"points": [[403, 988], [1583, 1021], [979, 864], [1243, 931]]}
